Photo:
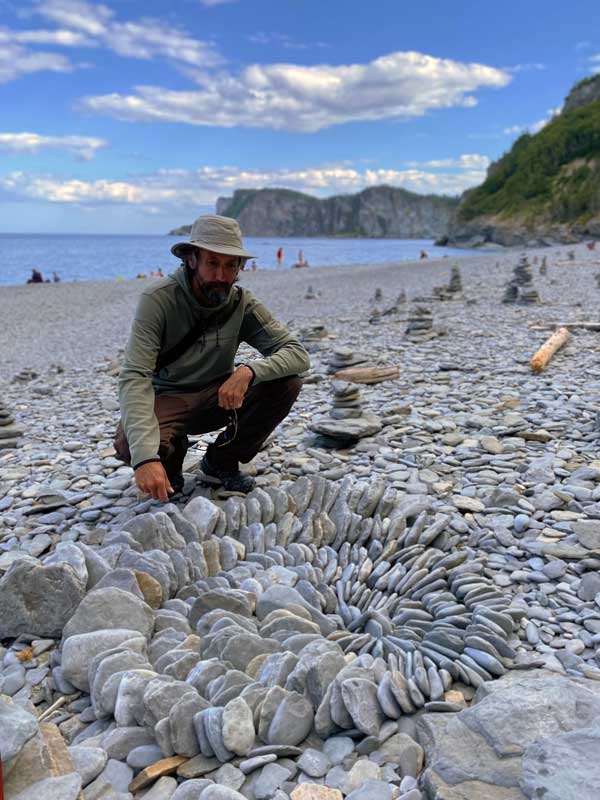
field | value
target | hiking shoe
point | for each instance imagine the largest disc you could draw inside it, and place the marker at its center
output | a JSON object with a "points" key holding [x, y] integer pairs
{"points": [[230, 480], [177, 485]]}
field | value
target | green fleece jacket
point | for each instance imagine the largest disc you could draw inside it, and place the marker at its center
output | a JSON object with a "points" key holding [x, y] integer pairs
{"points": [[166, 312]]}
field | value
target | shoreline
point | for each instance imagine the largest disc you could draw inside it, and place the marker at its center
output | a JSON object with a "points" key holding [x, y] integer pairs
{"points": [[75, 322]]}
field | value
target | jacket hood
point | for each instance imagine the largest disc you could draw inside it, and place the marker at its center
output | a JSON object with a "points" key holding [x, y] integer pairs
{"points": [[180, 277]]}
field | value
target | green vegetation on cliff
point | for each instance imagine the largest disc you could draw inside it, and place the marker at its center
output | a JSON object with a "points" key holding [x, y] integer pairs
{"points": [[554, 173]]}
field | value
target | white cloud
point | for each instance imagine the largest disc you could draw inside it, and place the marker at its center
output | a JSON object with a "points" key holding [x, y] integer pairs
{"points": [[282, 40], [16, 61], [212, 3], [526, 67], [466, 161], [82, 147], [189, 189], [83, 24], [309, 98]]}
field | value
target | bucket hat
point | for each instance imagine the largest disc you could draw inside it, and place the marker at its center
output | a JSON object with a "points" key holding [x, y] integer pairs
{"points": [[211, 232]]}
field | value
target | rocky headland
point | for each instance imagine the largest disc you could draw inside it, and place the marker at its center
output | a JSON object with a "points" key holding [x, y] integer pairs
{"points": [[378, 212], [545, 190], [408, 605]]}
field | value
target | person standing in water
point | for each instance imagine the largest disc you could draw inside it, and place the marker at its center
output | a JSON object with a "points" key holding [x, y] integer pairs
{"points": [[280, 257]]}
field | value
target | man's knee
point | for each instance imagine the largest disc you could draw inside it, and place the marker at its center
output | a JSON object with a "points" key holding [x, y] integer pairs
{"points": [[283, 388]]}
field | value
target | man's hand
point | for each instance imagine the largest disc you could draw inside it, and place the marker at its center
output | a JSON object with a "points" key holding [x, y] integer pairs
{"points": [[151, 479], [233, 391]]}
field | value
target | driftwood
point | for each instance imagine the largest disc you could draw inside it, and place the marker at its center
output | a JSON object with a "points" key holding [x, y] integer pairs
{"points": [[367, 374], [588, 326], [547, 350]]}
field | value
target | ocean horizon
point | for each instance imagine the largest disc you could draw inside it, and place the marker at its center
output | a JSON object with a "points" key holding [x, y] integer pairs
{"points": [[83, 257]]}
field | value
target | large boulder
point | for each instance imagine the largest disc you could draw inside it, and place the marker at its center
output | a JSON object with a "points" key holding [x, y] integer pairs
{"points": [[38, 600], [498, 748], [110, 608], [79, 651], [17, 727]]}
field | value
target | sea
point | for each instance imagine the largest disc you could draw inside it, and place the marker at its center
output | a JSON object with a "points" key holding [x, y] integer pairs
{"points": [[85, 257]]}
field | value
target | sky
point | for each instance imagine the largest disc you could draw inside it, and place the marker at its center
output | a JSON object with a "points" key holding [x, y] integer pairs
{"points": [[134, 116]]}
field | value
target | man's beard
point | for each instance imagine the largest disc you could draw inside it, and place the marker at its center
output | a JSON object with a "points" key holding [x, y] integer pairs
{"points": [[215, 292]]}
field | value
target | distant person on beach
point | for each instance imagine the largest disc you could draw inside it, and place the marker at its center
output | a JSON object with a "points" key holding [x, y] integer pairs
{"points": [[36, 277], [300, 258], [179, 377], [280, 257], [253, 267], [141, 275], [591, 245], [424, 254], [56, 277]]}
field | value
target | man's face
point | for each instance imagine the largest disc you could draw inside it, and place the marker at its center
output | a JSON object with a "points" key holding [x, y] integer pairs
{"points": [[213, 275]]}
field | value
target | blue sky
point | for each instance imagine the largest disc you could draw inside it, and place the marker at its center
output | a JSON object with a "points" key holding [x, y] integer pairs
{"points": [[133, 117]]}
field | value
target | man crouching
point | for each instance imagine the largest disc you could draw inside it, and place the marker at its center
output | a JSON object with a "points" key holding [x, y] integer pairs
{"points": [[178, 375]]}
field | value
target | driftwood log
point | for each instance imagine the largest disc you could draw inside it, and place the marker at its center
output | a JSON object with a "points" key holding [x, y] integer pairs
{"points": [[587, 326], [367, 374], [547, 350]]}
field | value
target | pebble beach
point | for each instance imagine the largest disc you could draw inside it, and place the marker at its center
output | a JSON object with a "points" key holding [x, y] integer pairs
{"points": [[419, 563]]}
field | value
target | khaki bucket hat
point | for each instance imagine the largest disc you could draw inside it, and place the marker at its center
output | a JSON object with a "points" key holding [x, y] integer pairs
{"points": [[211, 232]]}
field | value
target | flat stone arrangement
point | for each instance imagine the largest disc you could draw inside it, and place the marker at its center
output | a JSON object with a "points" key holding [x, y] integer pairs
{"points": [[419, 323], [224, 634], [10, 432]]}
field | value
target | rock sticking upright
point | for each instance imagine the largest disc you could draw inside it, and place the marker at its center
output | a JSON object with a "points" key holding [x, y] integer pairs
{"points": [[378, 296], [419, 323], [453, 289], [10, 433], [520, 288], [544, 266]]}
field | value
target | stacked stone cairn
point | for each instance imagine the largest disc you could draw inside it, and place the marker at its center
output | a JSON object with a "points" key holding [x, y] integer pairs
{"points": [[310, 293], [544, 266], [10, 433], [520, 288], [454, 288], [346, 400], [419, 323], [344, 357]]}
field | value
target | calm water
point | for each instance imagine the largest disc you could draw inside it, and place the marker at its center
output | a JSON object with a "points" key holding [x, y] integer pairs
{"points": [[89, 257]]}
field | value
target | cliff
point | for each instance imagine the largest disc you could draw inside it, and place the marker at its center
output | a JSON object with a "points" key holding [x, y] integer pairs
{"points": [[546, 189], [378, 212]]}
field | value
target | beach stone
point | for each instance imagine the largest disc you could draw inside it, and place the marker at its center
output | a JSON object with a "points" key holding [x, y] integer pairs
{"points": [[17, 726], [88, 762], [270, 778], [589, 586], [360, 699], [222, 793], [204, 515], [38, 600], [314, 763], [337, 748], [119, 742], [63, 787], [292, 721], [144, 756], [587, 533], [313, 791], [230, 776], [163, 789], [370, 789], [107, 608], [564, 766], [79, 651], [181, 719], [191, 789], [362, 771], [238, 727]]}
